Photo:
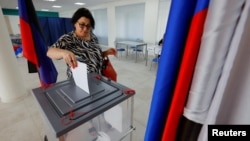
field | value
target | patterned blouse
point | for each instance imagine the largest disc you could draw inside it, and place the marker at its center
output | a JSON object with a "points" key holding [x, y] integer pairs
{"points": [[86, 51]]}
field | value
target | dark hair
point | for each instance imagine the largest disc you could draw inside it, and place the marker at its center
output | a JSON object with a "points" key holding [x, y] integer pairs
{"points": [[83, 12]]}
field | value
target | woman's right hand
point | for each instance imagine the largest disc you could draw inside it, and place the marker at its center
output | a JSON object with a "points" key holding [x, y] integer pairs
{"points": [[70, 58]]}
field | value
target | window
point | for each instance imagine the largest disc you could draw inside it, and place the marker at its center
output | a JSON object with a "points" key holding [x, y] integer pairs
{"points": [[101, 25], [130, 22]]}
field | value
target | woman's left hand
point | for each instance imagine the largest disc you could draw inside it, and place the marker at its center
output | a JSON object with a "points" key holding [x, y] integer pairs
{"points": [[110, 51]]}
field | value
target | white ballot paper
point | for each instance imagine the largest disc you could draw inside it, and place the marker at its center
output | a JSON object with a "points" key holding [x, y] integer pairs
{"points": [[80, 76]]}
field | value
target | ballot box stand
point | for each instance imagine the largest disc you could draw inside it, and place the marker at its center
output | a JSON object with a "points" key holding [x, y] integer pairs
{"points": [[71, 114]]}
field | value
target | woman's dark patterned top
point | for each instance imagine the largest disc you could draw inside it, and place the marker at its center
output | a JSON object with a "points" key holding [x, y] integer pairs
{"points": [[86, 51]]}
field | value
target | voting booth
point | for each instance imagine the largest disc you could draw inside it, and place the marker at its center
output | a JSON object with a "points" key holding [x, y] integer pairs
{"points": [[105, 113]]}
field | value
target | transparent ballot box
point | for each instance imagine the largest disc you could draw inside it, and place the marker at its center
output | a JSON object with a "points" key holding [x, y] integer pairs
{"points": [[71, 114]]}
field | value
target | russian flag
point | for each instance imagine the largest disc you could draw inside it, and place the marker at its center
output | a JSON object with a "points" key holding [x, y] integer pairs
{"points": [[34, 47], [186, 71], [180, 16]]}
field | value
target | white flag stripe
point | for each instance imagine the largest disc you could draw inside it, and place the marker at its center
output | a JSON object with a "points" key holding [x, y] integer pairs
{"points": [[229, 87], [219, 28]]}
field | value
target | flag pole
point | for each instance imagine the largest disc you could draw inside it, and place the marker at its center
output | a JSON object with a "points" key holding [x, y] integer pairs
{"points": [[11, 84]]}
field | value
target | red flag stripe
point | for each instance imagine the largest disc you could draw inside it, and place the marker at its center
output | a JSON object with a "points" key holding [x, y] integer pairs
{"points": [[29, 51]]}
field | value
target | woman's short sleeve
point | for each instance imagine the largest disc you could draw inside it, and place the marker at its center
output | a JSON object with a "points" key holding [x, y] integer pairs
{"points": [[64, 41]]}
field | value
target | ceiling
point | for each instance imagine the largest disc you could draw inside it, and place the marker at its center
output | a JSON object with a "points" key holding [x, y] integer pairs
{"points": [[66, 4]]}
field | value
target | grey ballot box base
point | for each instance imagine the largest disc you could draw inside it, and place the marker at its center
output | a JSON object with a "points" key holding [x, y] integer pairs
{"points": [[64, 106]]}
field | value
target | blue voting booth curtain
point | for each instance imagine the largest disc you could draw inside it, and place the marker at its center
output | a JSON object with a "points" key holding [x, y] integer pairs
{"points": [[54, 27], [68, 26], [45, 27]]}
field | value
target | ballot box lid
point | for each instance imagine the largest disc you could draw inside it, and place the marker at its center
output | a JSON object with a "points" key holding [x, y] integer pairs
{"points": [[65, 106]]}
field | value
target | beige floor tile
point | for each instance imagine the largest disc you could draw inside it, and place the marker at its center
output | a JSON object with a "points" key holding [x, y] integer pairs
{"points": [[138, 134], [22, 130], [14, 113]]}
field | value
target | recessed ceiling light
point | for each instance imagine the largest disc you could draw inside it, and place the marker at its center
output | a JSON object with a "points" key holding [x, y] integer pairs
{"points": [[56, 6], [44, 9], [79, 3]]}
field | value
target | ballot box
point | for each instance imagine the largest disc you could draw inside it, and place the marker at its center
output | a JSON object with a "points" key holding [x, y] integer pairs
{"points": [[71, 114]]}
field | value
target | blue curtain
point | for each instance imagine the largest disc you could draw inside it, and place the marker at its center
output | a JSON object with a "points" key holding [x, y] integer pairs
{"points": [[45, 29], [68, 25], [54, 27]]}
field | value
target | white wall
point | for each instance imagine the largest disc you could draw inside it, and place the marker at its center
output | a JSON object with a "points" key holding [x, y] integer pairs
{"points": [[12, 24], [150, 21], [164, 7]]}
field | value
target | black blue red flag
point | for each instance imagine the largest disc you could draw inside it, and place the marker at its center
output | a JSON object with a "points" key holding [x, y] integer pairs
{"points": [[33, 43]]}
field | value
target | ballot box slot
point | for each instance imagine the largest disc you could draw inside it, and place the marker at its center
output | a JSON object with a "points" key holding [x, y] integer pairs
{"points": [[81, 111], [71, 98], [91, 103], [75, 97]]}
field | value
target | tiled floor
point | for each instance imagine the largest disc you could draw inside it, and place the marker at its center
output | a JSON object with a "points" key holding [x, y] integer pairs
{"points": [[21, 121]]}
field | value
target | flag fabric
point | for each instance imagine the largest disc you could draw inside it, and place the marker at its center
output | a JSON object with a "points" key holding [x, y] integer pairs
{"points": [[231, 96], [186, 71], [187, 130], [34, 47], [180, 16], [31, 67], [219, 28]]}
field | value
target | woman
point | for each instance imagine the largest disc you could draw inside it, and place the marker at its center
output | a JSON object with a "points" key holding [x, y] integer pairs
{"points": [[80, 44]]}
